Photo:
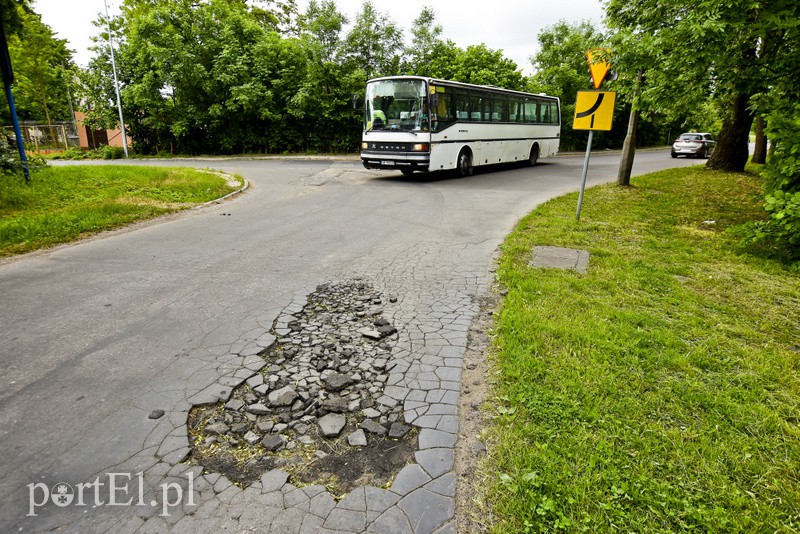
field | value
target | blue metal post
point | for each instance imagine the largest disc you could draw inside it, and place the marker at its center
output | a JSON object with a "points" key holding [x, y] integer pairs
{"points": [[20, 143]]}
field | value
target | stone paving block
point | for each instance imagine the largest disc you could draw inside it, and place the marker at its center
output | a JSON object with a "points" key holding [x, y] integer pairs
{"points": [[436, 462], [428, 421], [409, 478], [210, 394], [258, 518], [227, 495], [445, 485], [392, 521], [297, 499], [346, 520], [177, 455], [449, 373], [378, 501], [313, 491], [427, 511], [448, 423], [207, 509], [356, 500], [288, 521], [442, 409], [251, 350], [273, 480], [273, 498], [433, 439], [311, 524], [322, 505]]}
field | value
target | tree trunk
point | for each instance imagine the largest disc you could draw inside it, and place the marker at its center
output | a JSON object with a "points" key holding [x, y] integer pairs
{"points": [[732, 150], [760, 151], [628, 150]]}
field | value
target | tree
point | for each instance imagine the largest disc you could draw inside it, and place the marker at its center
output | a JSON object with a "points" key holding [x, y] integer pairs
{"points": [[375, 44], [692, 51], [481, 65], [426, 43], [323, 100], [560, 69], [42, 69], [10, 14]]}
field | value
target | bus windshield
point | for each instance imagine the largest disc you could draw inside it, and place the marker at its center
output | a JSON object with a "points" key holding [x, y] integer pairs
{"points": [[396, 105]]}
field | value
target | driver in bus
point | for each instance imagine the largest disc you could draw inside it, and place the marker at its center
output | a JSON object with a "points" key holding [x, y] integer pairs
{"points": [[378, 120]]}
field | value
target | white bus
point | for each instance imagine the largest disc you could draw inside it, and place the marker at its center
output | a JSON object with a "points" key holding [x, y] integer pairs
{"points": [[414, 123]]}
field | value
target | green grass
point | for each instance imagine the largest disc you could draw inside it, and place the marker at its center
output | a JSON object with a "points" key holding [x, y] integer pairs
{"points": [[62, 204], [659, 392]]}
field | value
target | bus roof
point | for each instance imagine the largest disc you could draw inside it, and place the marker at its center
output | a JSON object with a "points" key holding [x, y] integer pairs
{"points": [[463, 85]]}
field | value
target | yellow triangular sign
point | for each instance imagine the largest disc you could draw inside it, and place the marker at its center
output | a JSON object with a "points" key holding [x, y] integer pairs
{"points": [[597, 66]]}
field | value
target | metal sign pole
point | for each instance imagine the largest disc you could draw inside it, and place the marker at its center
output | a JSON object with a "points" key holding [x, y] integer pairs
{"points": [[585, 172], [8, 79], [116, 83]]}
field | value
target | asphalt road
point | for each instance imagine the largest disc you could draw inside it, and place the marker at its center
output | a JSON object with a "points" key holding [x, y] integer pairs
{"points": [[98, 334]]}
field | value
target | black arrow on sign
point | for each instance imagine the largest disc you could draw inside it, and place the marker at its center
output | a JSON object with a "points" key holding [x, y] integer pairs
{"points": [[592, 109]]}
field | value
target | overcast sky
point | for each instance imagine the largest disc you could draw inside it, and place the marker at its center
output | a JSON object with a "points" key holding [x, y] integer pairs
{"points": [[508, 25]]}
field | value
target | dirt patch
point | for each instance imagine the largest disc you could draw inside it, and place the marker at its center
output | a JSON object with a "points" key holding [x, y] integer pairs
{"points": [[374, 465], [226, 464], [471, 513]]}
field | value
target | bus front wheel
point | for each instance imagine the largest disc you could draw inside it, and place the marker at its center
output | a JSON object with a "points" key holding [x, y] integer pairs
{"points": [[534, 157], [464, 167]]}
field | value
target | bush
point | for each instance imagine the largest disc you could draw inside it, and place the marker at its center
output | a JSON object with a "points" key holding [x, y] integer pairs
{"points": [[113, 152], [9, 158], [782, 173], [70, 153]]}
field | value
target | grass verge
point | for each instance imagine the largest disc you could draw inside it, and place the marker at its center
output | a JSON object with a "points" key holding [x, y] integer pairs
{"points": [[658, 392], [62, 204]]}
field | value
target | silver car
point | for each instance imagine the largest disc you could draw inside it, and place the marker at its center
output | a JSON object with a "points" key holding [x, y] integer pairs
{"points": [[699, 145]]}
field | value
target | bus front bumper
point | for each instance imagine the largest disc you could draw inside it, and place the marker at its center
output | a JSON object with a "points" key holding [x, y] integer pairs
{"points": [[377, 160]]}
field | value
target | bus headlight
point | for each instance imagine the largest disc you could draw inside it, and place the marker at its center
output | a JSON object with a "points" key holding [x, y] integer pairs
{"points": [[364, 145], [421, 147]]}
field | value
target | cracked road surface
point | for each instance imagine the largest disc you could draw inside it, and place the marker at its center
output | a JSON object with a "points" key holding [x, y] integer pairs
{"points": [[97, 336]]}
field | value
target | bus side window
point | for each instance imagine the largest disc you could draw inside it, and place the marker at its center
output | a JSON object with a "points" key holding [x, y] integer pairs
{"points": [[475, 108], [486, 109], [500, 110], [462, 106], [531, 114], [513, 112], [443, 111]]}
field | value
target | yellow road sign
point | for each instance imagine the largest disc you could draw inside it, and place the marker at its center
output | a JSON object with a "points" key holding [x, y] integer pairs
{"points": [[594, 110], [598, 67]]}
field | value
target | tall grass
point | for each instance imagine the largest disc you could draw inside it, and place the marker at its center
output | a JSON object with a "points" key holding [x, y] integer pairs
{"points": [[61, 204], [660, 392]]}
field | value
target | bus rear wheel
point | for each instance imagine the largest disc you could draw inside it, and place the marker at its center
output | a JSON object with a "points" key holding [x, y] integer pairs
{"points": [[534, 157], [464, 167]]}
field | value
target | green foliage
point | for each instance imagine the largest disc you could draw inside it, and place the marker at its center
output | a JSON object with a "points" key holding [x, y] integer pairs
{"points": [[658, 392], [781, 231], [10, 163], [705, 55], [43, 70], [217, 77], [375, 44], [561, 70]]}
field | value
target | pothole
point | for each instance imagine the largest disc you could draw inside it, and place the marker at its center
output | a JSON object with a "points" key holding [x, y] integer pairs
{"points": [[317, 409]]}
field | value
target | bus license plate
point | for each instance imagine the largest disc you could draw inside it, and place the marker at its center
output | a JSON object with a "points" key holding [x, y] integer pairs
{"points": [[388, 163]]}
